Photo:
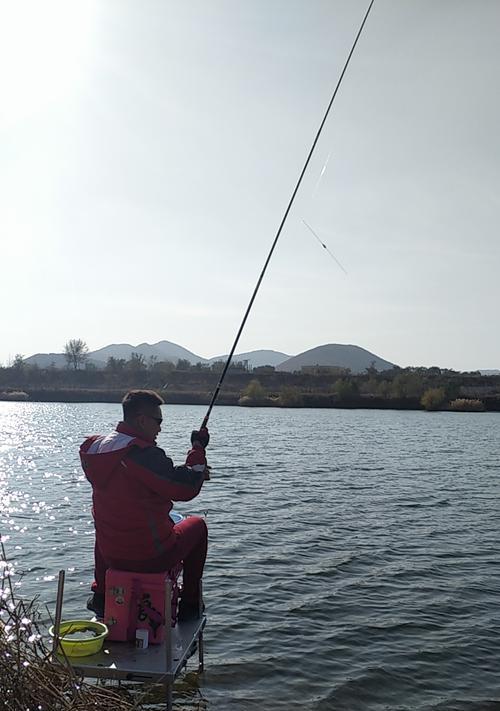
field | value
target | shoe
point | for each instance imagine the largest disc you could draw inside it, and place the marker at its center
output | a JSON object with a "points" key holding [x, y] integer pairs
{"points": [[188, 612], [95, 603]]}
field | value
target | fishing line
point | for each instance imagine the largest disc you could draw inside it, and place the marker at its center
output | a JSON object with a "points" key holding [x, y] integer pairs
{"points": [[324, 245], [280, 228]]}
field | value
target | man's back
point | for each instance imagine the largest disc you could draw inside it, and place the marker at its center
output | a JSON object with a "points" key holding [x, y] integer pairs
{"points": [[134, 484]]}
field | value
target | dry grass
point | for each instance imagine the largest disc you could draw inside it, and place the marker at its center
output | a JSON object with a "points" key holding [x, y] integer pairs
{"points": [[30, 679], [14, 395], [467, 405]]}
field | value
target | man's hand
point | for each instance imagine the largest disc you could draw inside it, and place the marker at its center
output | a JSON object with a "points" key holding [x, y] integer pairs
{"points": [[200, 438]]}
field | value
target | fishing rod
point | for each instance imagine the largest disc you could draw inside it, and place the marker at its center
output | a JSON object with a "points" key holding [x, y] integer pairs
{"points": [[282, 223]]}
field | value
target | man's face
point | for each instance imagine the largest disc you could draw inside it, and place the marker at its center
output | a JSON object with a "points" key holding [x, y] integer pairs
{"points": [[148, 422]]}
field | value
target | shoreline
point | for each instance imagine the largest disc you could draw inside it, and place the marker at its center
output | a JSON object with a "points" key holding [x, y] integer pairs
{"points": [[305, 401]]}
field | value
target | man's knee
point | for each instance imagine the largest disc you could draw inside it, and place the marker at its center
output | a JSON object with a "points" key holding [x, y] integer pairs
{"points": [[200, 527], [193, 527]]}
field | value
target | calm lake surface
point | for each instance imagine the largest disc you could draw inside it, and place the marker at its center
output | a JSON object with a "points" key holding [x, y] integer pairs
{"points": [[353, 557]]}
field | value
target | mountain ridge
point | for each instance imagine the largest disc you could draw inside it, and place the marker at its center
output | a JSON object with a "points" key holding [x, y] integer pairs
{"points": [[255, 358], [162, 350], [355, 358]]}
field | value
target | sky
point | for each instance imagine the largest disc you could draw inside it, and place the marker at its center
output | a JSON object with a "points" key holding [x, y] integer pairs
{"points": [[148, 152]]}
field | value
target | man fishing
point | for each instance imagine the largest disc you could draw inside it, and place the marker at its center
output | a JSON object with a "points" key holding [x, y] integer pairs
{"points": [[133, 485]]}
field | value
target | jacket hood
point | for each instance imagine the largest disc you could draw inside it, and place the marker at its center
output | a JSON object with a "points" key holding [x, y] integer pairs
{"points": [[101, 454]]}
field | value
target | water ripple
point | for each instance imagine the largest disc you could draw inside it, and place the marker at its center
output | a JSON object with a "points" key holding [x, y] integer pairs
{"points": [[359, 575]]}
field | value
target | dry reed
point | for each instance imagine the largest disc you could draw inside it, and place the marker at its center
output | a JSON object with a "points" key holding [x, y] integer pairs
{"points": [[467, 405], [30, 678]]}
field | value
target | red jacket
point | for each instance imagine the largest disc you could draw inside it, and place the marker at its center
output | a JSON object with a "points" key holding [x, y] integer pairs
{"points": [[133, 485]]}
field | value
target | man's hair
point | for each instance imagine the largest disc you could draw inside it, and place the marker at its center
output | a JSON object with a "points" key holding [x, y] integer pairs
{"points": [[136, 401]]}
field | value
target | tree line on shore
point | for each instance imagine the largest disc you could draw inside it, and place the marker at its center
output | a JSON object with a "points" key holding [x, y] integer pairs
{"points": [[314, 386]]}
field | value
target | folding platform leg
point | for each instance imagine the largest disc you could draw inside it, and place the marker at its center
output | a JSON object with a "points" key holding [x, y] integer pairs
{"points": [[168, 644], [57, 621], [201, 663], [201, 666], [168, 689]]}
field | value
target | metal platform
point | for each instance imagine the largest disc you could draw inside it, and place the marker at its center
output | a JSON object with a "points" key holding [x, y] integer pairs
{"points": [[122, 661]]}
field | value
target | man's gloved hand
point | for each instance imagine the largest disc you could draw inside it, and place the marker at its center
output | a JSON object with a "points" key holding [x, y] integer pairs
{"points": [[200, 437]]}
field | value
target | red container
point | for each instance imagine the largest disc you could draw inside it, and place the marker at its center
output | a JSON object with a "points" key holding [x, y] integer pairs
{"points": [[137, 601]]}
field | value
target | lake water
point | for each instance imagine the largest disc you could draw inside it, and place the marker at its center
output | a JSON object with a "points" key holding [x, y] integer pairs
{"points": [[353, 557]]}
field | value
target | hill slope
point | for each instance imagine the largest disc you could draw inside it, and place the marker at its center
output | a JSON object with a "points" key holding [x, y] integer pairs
{"points": [[163, 350], [45, 360], [336, 354], [255, 358]]}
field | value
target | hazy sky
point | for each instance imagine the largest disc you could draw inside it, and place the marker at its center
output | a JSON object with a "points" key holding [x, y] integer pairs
{"points": [[148, 151]]}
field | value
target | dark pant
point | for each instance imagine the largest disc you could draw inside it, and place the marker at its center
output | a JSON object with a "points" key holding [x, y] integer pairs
{"points": [[190, 546]]}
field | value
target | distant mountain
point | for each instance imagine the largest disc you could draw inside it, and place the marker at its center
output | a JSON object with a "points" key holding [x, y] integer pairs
{"points": [[255, 358], [45, 360], [353, 357], [336, 354], [490, 372], [163, 350]]}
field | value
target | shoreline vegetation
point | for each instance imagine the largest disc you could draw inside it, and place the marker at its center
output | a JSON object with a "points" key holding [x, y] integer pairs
{"points": [[30, 677], [432, 389], [33, 679]]}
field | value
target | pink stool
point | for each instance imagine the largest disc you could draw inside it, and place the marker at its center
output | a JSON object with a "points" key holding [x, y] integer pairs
{"points": [[137, 601]]}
